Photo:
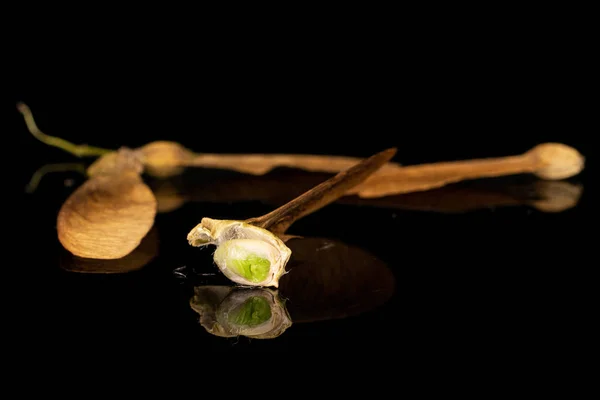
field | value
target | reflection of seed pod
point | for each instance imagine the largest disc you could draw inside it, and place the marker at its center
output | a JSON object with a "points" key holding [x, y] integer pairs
{"points": [[557, 196], [256, 313], [168, 195], [228, 311], [328, 279], [205, 302], [134, 261]]}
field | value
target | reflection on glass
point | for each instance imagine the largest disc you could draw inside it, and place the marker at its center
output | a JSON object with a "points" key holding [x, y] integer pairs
{"points": [[327, 279], [50, 168], [545, 196], [230, 311], [556, 196], [226, 186], [136, 260]]}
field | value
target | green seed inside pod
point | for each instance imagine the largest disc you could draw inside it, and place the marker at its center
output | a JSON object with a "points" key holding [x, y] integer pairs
{"points": [[247, 258], [254, 311], [252, 268]]}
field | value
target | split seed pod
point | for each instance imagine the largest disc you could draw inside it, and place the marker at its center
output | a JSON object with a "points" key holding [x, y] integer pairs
{"points": [[245, 253]]}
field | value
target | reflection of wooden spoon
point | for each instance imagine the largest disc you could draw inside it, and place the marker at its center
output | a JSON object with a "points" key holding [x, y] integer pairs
{"points": [[275, 187], [136, 260]]}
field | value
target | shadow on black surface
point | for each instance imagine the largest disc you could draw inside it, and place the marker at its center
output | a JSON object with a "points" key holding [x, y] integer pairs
{"points": [[326, 279]]}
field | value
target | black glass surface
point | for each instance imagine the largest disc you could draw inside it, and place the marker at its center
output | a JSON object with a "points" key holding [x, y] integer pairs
{"points": [[444, 270]]}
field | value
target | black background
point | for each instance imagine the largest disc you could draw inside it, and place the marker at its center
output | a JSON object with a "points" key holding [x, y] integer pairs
{"points": [[481, 284], [437, 84]]}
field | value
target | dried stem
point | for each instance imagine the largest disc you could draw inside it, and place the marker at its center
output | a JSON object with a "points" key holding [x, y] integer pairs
{"points": [[279, 220], [259, 164], [79, 150]]}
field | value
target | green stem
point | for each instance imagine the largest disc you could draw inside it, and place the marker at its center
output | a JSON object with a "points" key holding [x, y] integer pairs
{"points": [[78, 150]]}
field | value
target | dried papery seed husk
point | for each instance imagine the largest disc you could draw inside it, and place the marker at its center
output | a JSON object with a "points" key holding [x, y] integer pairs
{"points": [[548, 161], [107, 216], [110, 213], [417, 187], [260, 164], [329, 279], [226, 311], [134, 261], [166, 158], [163, 159], [241, 247], [552, 161], [124, 160]]}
